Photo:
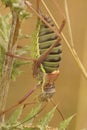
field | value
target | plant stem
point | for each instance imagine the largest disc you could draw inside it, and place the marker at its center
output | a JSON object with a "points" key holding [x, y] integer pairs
{"points": [[8, 62]]}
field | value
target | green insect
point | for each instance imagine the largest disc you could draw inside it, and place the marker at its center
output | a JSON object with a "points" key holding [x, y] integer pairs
{"points": [[46, 43], [47, 47], [48, 69], [47, 50]]}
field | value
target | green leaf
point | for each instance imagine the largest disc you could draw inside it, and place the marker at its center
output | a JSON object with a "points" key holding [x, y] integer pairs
{"points": [[4, 30], [19, 7], [15, 70], [23, 36], [46, 119], [32, 114], [18, 62], [29, 118], [16, 115], [23, 50], [2, 56], [4, 126], [64, 124]]}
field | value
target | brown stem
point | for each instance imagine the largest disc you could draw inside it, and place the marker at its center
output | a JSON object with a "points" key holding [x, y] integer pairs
{"points": [[8, 62]]}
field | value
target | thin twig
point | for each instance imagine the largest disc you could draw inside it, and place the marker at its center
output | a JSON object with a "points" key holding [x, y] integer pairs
{"points": [[68, 21], [71, 47]]}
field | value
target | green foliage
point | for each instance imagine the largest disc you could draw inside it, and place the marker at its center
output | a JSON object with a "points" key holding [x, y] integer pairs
{"points": [[23, 36], [64, 124], [22, 50], [46, 119], [4, 37], [14, 3], [4, 30], [27, 123], [2, 55], [5, 27], [18, 6], [18, 62], [14, 123], [13, 120], [30, 117], [15, 116], [16, 71]]}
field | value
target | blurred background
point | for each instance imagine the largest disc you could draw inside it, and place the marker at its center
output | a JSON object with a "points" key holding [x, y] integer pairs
{"points": [[71, 86]]}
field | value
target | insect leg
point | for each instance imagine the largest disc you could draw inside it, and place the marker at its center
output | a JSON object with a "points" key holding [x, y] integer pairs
{"points": [[19, 57], [28, 94], [58, 110]]}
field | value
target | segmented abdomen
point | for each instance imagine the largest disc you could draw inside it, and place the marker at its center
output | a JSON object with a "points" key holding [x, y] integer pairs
{"points": [[46, 38]]}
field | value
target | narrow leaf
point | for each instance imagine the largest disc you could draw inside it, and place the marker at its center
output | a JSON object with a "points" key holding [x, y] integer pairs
{"points": [[64, 124], [16, 115], [46, 119], [16, 71], [2, 55], [32, 114], [4, 30], [23, 50]]}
